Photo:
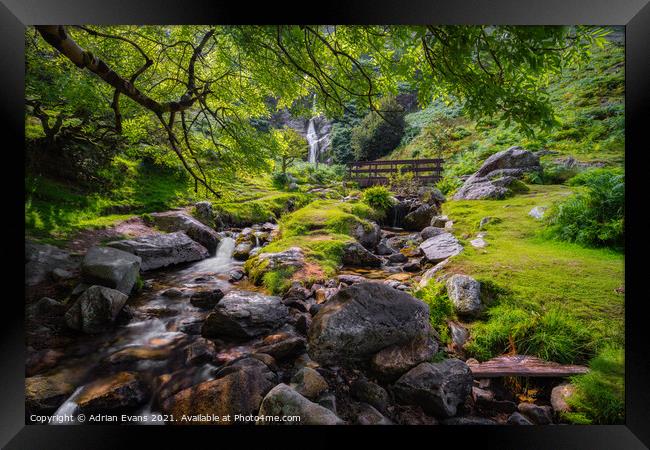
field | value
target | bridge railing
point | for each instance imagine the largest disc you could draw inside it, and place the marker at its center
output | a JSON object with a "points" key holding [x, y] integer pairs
{"points": [[369, 173]]}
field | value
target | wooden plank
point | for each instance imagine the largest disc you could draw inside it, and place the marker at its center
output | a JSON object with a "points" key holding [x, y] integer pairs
{"points": [[388, 162], [523, 366]]}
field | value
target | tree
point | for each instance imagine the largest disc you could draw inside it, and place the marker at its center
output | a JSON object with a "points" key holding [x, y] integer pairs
{"points": [[203, 85], [290, 146], [379, 132]]}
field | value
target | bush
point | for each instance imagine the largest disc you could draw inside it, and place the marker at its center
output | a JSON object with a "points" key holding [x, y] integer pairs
{"points": [[595, 216], [378, 197], [600, 393], [342, 151], [441, 309], [280, 180], [377, 136]]}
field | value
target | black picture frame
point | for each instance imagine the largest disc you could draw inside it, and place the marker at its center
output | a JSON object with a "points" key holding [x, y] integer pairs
{"points": [[633, 14]]}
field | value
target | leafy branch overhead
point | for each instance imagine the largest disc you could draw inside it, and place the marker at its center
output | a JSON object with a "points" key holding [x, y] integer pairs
{"points": [[199, 89]]}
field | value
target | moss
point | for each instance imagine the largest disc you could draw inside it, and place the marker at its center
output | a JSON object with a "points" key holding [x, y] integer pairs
{"points": [[441, 309], [326, 216], [278, 281], [267, 208]]}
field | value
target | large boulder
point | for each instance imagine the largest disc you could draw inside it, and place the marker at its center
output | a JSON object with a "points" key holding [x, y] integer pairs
{"points": [[497, 173], [239, 391], [465, 293], [354, 254], [292, 259], [242, 251], [440, 247], [171, 221], [244, 315], [204, 213], [439, 388], [283, 401], [363, 319], [161, 250], [95, 310], [118, 392], [420, 218], [393, 361], [309, 383], [368, 235], [42, 260], [111, 267], [44, 394]]}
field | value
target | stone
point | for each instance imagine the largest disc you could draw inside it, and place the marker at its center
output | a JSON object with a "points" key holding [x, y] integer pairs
{"points": [[328, 400], [172, 293], [439, 221], [284, 401], [469, 420], [354, 254], [45, 309], [308, 383], [478, 242], [397, 258], [236, 275], [172, 221], [42, 260], [439, 388], [517, 418], [430, 274], [162, 250], [44, 394], [420, 218], [393, 361], [465, 293], [440, 247], [114, 393], [383, 248], [206, 299], [95, 309], [413, 266], [303, 322], [537, 212], [284, 349], [245, 314], [559, 396], [371, 393], [203, 213], [367, 415], [338, 336], [459, 335], [239, 391], [242, 251], [430, 232], [110, 267], [200, 351], [292, 259], [351, 279], [431, 195], [541, 415], [367, 234]]}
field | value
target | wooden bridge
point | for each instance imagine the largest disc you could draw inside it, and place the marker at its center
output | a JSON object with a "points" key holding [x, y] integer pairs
{"points": [[369, 173]]}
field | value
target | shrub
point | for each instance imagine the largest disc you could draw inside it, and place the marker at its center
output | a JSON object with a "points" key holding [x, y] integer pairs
{"points": [[280, 180], [377, 136], [378, 197], [600, 393], [594, 216], [441, 308], [342, 151]]}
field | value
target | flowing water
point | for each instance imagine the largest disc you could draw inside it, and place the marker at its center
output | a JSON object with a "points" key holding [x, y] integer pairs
{"points": [[155, 340], [312, 139]]}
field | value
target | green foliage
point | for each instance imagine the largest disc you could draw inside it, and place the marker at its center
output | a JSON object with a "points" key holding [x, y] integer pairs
{"points": [[288, 146], [379, 132], [379, 198], [277, 281], [266, 208], [441, 309], [600, 393], [325, 216], [594, 216]]}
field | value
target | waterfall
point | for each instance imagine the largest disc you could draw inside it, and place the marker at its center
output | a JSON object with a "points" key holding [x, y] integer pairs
{"points": [[312, 139], [220, 262]]}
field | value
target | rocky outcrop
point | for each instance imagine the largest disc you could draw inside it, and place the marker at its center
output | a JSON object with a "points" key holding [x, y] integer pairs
{"points": [[43, 260], [439, 388], [95, 310], [242, 251], [393, 361], [292, 259], [111, 267], [244, 315], [114, 393], [284, 401], [420, 218], [162, 250], [367, 235], [440, 247], [172, 221], [363, 319], [465, 293], [204, 213], [498, 172], [354, 254]]}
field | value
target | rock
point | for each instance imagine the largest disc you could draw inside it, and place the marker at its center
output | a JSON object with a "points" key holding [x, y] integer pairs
{"points": [[518, 419], [95, 309], [111, 267], [400, 242], [308, 383], [484, 221], [371, 393], [478, 242], [114, 393], [354, 254], [412, 267], [245, 314], [59, 274], [42, 260], [420, 218], [328, 400], [200, 351], [284, 401], [44, 394], [383, 248], [45, 310], [439, 388], [240, 391], [203, 213], [322, 295], [459, 335], [337, 336], [541, 415], [242, 251], [512, 158], [431, 195], [559, 396], [465, 293], [368, 235], [439, 221], [397, 258], [440, 247], [284, 349], [430, 232], [537, 212], [351, 279], [172, 221], [292, 259], [172, 293], [469, 420], [367, 415], [393, 361], [206, 299], [235, 275], [303, 322], [161, 250], [430, 273]]}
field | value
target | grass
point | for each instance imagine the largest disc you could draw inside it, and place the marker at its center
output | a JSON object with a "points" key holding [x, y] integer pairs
{"points": [[441, 309]]}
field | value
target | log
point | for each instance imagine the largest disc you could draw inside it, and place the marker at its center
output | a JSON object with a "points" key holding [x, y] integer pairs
{"points": [[523, 366]]}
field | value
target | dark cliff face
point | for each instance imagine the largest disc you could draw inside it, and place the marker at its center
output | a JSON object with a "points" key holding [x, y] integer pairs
{"points": [[322, 128]]}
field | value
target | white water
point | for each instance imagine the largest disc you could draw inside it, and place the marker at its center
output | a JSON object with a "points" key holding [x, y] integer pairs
{"points": [[67, 409], [312, 139], [221, 262]]}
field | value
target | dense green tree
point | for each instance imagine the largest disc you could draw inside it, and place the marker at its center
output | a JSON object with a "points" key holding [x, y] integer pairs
{"points": [[289, 147], [379, 132]]}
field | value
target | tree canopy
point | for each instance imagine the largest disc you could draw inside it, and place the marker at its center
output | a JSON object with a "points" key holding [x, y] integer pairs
{"points": [[197, 90]]}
